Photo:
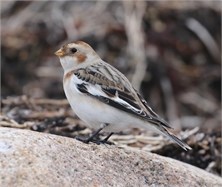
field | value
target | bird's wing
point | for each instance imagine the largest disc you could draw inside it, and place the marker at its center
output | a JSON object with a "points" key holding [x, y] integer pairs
{"points": [[150, 110], [110, 89]]}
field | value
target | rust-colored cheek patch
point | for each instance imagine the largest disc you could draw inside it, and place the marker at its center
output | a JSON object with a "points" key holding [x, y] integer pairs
{"points": [[81, 58]]}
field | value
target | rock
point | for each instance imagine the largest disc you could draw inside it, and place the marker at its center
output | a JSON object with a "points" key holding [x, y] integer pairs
{"points": [[29, 158]]}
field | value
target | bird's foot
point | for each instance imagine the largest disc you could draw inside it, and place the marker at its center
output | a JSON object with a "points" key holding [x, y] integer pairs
{"points": [[96, 141], [84, 140], [106, 142], [94, 138]]}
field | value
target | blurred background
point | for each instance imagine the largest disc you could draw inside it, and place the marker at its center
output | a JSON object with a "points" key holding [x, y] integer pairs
{"points": [[170, 51]]}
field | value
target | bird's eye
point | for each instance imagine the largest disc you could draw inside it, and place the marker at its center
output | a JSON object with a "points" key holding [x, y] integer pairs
{"points": [[73, 50]]}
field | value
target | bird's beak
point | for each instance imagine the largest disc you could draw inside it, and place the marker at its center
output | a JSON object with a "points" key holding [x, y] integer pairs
{"points": [[59, 53]]}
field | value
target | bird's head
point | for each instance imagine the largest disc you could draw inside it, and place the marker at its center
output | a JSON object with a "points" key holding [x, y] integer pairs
{"points": [[74, 55]]}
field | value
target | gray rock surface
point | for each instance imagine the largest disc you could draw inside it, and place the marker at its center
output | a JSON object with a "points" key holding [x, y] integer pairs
{"points": [[30, 158]]}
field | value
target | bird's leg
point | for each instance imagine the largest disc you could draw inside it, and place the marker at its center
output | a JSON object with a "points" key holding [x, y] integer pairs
{"points": [[89, 139], [105, 140], [95, 134]]}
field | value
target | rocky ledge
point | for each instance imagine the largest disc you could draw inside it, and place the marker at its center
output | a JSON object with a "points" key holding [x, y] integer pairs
{"points": [[30, 158]]}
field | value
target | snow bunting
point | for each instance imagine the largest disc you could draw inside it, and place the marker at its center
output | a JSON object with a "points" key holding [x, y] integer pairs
{"points": [[103, 97]]}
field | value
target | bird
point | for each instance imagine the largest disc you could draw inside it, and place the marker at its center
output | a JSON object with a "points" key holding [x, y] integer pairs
{"points": [[102, 97]]}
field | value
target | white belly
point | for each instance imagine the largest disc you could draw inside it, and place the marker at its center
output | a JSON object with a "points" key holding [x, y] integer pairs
{"points": [[92, 112]]}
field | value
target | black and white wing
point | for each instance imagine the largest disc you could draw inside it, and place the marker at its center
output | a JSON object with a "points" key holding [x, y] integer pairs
{"points": [[111, 87]]}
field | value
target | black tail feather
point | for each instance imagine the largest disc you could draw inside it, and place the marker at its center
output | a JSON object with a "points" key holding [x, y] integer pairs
{"points": [[174, 138]]}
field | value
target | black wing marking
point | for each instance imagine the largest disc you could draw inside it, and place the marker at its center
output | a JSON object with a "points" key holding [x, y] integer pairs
{"points": [[110, 91], [125, 96], [152, 113], [82, 88]]}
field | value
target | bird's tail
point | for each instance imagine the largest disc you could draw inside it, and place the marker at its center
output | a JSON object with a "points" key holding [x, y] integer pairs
{"points": [[162, 126], [172, 137]]}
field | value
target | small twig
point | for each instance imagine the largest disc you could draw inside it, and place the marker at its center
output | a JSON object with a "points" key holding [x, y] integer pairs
{"points": [[23, 100], [171, 109], [205, 37], [18, 20], [199, 102], [43, 114], [6, 6], [7, 122], [186, 134], [134, 12]]}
